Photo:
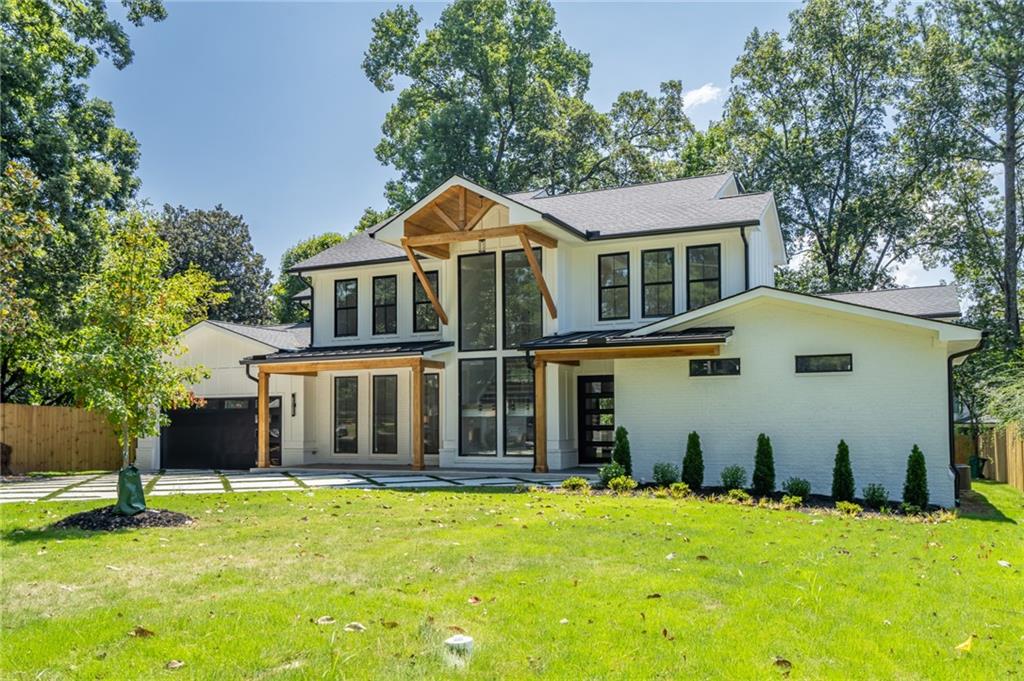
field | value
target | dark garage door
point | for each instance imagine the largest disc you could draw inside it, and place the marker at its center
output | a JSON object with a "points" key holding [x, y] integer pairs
{"points": [[221, 434]]}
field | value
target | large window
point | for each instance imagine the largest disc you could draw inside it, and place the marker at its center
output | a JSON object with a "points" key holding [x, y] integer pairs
{"points": [[523, 313], [346, 415], [657, 282], [703, 275], [518, 407], [385, 414], [431, 413], [613, 286], [813, 364], [477, 302], [715, 367], [424, 318], [346, 307], [478, 407], [385, 305]]}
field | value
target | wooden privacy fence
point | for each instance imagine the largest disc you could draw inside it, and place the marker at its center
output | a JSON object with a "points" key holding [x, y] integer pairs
{"points": [[1004, 449], [57, 439]]}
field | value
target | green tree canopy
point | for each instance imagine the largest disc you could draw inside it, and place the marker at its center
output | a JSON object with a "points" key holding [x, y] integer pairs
{"points": [[287, 310]]}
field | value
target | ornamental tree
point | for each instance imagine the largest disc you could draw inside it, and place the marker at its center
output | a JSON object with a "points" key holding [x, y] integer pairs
{"points": [[843, 487], [693, 463], [764, 467]]}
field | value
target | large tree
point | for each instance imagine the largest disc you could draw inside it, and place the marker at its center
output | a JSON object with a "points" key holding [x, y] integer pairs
{"points": [[496, 94], [287, 310], [808, 118], [219, 243]]}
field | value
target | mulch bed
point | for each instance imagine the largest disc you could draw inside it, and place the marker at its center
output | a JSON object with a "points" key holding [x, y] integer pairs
{"points": [[105, 519]]}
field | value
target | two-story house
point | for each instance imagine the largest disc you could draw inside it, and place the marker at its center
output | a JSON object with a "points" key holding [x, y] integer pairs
{"points": [[516, 331]]}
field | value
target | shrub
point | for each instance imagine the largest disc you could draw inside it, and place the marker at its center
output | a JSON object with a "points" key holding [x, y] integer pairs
{"points": [[610, 471], [764, 467], [678, 490], [739, 496], [915, 489], [797, 487], [734, 477], [620, 451], [576, 484], [843, 488], [848, 508], [693, 463], [910, 509], [792, 500], [875, 496], [622, 484], [666, 473]]}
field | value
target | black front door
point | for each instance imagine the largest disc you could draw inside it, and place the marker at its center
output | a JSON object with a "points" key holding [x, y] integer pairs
{"points": [[221, 434], [596, 399]]}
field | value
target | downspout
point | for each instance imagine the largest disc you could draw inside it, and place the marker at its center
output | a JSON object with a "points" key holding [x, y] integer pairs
{"points": [[249, 376], [746, 259], [951, 406]]}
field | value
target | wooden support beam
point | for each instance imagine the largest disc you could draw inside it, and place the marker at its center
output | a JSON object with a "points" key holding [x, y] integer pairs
{"points": [[421, 240], [405, 362], [462, 207], [629, 352], [566, 362], [540, 416], [417, 416], [444, 217], [263, 419], [424, 282], [538, 275], [480, 213]]}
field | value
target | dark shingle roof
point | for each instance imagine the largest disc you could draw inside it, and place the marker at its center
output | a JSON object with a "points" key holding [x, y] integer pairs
{"points": [[617, 338], [358, 249], [392, 349], [936, 302], [280, 336]]}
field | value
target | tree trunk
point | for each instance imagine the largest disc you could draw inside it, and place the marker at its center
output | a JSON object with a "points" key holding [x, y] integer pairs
{"points": [[1010, 218], [125, 447]]}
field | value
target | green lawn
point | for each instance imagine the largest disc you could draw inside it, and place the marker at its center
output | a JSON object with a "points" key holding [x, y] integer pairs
{"points": [[569, 587]]}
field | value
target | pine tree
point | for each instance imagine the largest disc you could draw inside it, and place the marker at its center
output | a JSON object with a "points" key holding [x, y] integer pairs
{"points": [[620, 452], [693, 463], [843, 487], [915, 488], [764, 467]]}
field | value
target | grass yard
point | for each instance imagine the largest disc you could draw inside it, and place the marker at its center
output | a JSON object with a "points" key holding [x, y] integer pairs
{"points": [[548, 585]]}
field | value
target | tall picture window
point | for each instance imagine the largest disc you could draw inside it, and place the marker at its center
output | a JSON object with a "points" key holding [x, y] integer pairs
{"points": [[657, 275], [519, 396], [431, 413], [478, 407], [523, 313], [346, 307], [613, 286], [346, 415], [477, 302], [703, 275], [385, 414], [385, 305], [424, 318]]}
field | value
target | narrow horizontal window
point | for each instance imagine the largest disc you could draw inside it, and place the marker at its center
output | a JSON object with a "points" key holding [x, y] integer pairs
{"points": [[715, 367], [814, 364]]}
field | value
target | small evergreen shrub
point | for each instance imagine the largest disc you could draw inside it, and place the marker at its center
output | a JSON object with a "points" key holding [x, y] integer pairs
{"points": [[739, 496], [843, 488], [620, 451], [576, 484], [622, 484], [734, 477], [679, 490], [875, 496], [848, 508], [915, 488], [610, 471], [665, 474], [693, 463], [910, 509], [797, 487], [792, 501], [764, 467]]}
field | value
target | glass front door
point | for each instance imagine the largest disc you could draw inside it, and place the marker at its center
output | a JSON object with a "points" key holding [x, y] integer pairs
{"points": [[596, 400]]}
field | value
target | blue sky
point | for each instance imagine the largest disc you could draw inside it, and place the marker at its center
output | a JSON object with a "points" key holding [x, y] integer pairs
{"points": [[263, 106]]}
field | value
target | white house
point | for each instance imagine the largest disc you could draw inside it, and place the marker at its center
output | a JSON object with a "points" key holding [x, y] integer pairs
{"points": [[517, 331]]}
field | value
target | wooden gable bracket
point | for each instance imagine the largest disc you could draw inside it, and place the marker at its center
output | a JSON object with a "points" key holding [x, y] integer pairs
{"points": [[485, 206], [537, 273], [424, 282]]}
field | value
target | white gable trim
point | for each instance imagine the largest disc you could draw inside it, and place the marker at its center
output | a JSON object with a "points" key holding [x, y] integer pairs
{"points": [[208, 324]]}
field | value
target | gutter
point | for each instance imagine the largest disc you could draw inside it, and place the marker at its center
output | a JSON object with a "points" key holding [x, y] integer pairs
{"points": [[249, 376], [950, 406], [746, 258]]}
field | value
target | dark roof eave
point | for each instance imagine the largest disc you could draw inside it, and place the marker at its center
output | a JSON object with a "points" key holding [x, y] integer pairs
{"points": [[735, 224], [304, 356], [640, 341], [358, 263]]}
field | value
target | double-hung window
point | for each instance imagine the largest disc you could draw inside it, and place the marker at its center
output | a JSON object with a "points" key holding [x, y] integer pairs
{"points": [[385, 305], [346, 307], [703, 275], [657, 282], [613, 286], [424, 318], [346, 414]]}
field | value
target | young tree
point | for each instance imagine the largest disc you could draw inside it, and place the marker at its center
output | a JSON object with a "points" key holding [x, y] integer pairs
{"points": [[843, 487], [915, 487], [620, 450], [1005, 393], [120, 358], [287, 310], [693, 463], [764, 467]]}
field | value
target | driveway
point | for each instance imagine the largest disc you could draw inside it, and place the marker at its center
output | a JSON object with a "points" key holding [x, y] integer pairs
{"points": [[90, 487]]}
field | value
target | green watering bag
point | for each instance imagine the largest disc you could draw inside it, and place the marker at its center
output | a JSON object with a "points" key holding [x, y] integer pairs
{"points": [[130, 499]]}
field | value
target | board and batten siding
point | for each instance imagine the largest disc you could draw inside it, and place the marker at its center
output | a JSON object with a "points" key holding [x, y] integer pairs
{"points": [[895, 397]]}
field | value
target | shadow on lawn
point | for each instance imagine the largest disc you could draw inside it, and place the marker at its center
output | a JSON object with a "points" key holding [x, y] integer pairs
{"points": [[974, 505]]}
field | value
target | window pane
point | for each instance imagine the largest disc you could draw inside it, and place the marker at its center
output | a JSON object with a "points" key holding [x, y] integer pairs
{"points": [[478, 404], [658, 300], [431, 413], [823, 363], [518, 407], [614, 269], [523, 313], [715, 367], [346, 414], [703, 262], [703, 293], [614, 303], [658, 278], [613, 286], [346, 303], [477, 302], [424, 318], [385, 414], [385, 304]]}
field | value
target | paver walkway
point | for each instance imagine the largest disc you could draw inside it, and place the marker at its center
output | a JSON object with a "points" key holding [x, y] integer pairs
{"points": [[88, 487]]}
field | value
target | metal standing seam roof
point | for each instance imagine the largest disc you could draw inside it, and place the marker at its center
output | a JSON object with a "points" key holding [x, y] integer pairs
{"points": [[617, 338], [931, 302], [280, 336], [392, 349]]}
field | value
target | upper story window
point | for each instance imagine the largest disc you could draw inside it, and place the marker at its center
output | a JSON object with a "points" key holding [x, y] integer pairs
{"points": [[703, 275], [385, 304], [613, 286], [424, 318], [657, 277], [715, 367], [521, 301], [813, 364], [346, 307], [478, 299]]}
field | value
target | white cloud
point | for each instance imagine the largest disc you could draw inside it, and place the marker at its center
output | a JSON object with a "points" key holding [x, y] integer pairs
{"points": [[705, 94], [914, 273]]}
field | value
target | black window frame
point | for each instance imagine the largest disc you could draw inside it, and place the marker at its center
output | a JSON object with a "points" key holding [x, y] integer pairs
{"points": [[354, 306], [494, 258], [383, 306], [539, 252], [417, 303], [644, 283], [334, 415], [504, 406], [494, 363], [374, 412], [800, 370], [690, 281], [601, 289], [713, 362]]}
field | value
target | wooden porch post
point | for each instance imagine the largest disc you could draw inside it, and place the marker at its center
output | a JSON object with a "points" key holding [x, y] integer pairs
{"points": [[263, 419], [417, 414], [540, 416]]}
